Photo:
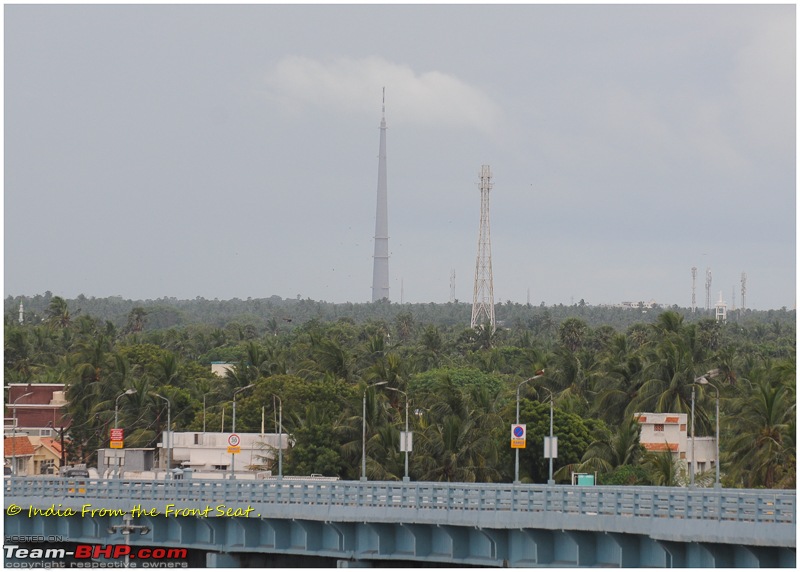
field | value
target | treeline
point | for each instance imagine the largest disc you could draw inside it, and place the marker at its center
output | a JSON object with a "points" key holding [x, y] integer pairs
{"points": [[320, 361], [282, 314]]}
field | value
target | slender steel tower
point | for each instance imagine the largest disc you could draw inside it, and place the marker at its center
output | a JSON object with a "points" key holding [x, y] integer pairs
{"points": [[380, 268], [694, 281], [483, 294], [744, 291]]}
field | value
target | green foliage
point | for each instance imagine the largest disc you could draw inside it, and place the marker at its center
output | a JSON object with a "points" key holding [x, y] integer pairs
{"points": [[602, 364], [631, 475], [466, 378]]}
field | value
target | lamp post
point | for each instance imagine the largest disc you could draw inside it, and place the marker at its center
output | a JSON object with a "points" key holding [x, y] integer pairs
{"points": [[539, 374], [168, 438], [364, 430], [116, 406], [14, 435], [550, 480], [233, 426], [280, 436], [704, 381], [691, 464], [405, 444]]}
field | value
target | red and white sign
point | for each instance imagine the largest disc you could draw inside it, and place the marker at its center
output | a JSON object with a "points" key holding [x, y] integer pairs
{"points": [[234, 440], [518, 436], [116, 440]]}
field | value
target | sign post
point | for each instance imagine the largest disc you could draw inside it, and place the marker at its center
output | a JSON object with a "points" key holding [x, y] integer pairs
{"points": [[518, 436], [116, 441], [234, 442]]}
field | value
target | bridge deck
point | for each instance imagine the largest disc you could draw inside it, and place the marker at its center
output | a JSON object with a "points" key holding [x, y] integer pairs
{"points": [[469, 523]]}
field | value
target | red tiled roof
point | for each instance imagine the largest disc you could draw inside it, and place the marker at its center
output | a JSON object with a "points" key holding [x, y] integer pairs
{"points": [[671, 420], [52, 444], [17, 446]]}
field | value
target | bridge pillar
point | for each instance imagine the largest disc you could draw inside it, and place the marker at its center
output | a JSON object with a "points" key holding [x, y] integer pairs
{"points": [[534, 546], [419, 537], [627, 550], [675, 554], [353, 564], [585, 547], [223, 560]]}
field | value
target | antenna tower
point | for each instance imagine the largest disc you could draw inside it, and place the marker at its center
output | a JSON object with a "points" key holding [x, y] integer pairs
{"points": [[708, 289], [483, 293], [452, 284], [21, 313], [694, 283], [380, 268], [744, 291]]}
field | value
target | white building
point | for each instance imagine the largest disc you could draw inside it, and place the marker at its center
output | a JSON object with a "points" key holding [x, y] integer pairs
{"points": [[211, 451], [667, 432]]}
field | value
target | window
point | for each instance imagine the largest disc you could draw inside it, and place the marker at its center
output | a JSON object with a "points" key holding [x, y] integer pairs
{"points": [[47, 467], [658, 427], [683, 427]]}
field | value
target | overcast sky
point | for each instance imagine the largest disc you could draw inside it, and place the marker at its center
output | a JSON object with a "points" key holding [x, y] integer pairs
{"points": [[231, 151]]}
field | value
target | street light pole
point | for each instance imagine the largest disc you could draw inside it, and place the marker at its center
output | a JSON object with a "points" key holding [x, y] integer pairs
{"points": [[405, 444], [233, 427], [691, 465], [550, 481], [168, 438], [14, 435], [280, 436], [116, 406], [704, 381], [539, 374], [364, 430]]}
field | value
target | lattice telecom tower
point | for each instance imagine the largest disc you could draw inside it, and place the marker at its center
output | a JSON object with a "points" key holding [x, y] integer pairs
{"points": [[694, 283], [380, 268], [708, 289], [483, 294]]}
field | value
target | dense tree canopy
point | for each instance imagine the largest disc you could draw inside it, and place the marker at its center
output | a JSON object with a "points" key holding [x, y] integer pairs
{"points": [[321, 361]]}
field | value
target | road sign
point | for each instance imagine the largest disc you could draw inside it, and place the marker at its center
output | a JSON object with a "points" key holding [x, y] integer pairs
{"points": [[234, 440], [234, 450], [406, 441], [548, 447], [116, 440], [518, 436]]}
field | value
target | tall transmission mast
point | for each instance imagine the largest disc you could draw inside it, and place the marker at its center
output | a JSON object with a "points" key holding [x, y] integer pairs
{"points": [[452, 284], [380, 268], [708, 289], [744, 291], [483, 293], [694, 284]]}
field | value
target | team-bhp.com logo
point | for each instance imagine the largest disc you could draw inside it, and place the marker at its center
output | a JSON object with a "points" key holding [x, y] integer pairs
{"points": [[95, 556]]}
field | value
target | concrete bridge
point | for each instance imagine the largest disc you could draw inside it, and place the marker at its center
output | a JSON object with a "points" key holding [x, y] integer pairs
{"points": [[355, 523]]}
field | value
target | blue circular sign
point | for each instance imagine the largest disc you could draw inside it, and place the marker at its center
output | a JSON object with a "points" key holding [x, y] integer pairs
{"points": [[518, 432]]}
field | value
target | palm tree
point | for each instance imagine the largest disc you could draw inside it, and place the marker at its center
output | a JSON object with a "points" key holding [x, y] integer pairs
{"points": [[456, 441], [58, 314], [663, 469], [609, 452], [762, 449]]}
